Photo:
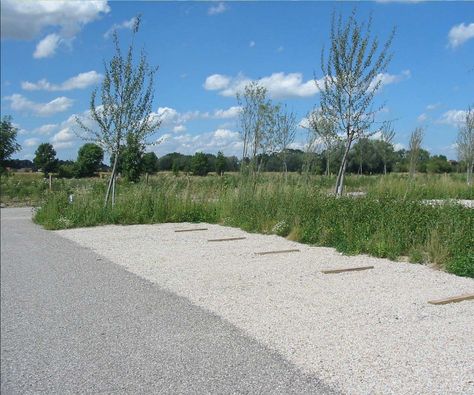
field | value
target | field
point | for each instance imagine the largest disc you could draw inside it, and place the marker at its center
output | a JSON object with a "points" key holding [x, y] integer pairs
{"points": [[391, 220]]}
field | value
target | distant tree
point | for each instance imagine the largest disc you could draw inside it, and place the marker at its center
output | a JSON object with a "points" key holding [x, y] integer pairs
{"points": [[221, 164], [284, 134], [199, 164], [438, 164], [45, 158], [351, 78], [150, 162], [89, 159], [387, 135], [132, 158], [465, 143], [323, 129], [8, 144], [175, 167], [416, 138], [125, 113], [257, 123]]}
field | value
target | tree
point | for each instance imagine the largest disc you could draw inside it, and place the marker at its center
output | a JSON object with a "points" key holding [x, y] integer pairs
{"points": [[132, 158], [387, 135], [257, 124], [89, 159], [150, 162], [8, 144], [414, 146], [199, 164], [125, 113], [221, 164], [285, 132], [465, 143], [351, 78], [323, 129], [45, 158]]}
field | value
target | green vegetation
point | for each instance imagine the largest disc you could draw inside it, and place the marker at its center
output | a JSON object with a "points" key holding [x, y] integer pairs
{"points": [[8, 144], [390, 221]]}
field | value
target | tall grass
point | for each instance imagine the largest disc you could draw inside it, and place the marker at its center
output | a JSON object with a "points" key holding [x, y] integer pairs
{"points": [[384, 224]]}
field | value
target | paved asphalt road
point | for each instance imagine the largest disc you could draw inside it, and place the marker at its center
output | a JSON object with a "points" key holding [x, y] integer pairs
{"points": [[74, 323]]}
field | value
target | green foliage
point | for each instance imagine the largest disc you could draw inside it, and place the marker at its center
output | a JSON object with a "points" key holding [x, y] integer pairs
{"points": [[89, 159], [8, 144], [45, 158], [200, 166], [150, 162], [221, 164], [382, 224], [132, 159]]}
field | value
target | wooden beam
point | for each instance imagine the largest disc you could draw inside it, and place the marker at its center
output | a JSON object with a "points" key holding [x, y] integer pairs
{"points": [[228, 239], [452, 299], [347, 269], [189, 230], [276, 252]]}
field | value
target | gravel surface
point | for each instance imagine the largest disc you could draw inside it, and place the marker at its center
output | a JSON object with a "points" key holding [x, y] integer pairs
{"points": [[362, 332], [73, 322]]}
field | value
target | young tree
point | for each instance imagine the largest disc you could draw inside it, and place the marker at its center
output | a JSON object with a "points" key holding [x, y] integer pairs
{"points": [[45, 158], [125, 113], [414, 146], [221, 164], [387, 135], [323, 129], [285, 132], [257, 124], [8, 144], [351, 78], [465, 143], [89, 159]]}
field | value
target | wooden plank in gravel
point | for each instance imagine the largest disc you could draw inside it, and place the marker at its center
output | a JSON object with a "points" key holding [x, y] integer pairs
{"points": [[228, 239], [452, 299], [190, 230], [276, 252], [347, 269]]}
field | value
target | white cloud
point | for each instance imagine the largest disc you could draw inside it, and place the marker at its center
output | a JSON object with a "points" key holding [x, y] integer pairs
{"points": [[224, 140], [459, 34], [26, 20], [217, 9], [398, 146], [179, 129], [431, 107], [46, 129], [80, 81], [21, 103], [231, 112], [216, 82], [47, 46], [278, 85], [118, 26], [387, 79], [31, 142], [252, 44], [63, 139], [453, 117], [422, 117]]}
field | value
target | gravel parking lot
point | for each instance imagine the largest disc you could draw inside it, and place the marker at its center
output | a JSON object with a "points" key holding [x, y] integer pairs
{"points": [[362, 332]]}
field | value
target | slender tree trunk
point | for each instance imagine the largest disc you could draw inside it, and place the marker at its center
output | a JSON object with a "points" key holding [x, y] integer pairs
{"points": [[470, 168], [327, 165], [342, 169], [385, 168], [109, 187], [113, 190]]}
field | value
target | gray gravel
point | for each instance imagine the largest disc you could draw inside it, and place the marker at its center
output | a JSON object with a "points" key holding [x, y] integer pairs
{"points": [[362, 332], [74, 322]]}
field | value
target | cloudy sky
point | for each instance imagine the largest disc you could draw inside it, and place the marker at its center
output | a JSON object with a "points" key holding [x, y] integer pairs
{"points": [[53, 52]]}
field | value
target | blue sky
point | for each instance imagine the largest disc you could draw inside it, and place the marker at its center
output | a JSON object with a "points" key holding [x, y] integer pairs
{"points": [[53, 52]]}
